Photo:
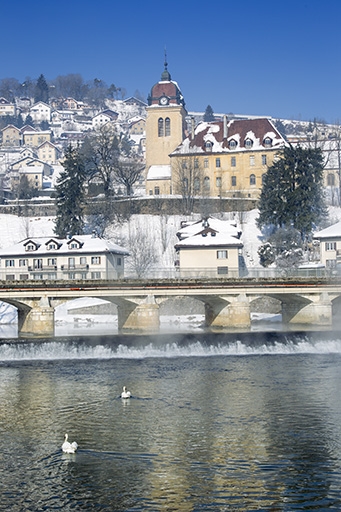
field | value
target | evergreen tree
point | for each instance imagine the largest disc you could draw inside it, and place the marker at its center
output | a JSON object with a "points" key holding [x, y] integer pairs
{"points": [[29, 121], [41, 91], [70, 195], [292, 192], [209, 115]]}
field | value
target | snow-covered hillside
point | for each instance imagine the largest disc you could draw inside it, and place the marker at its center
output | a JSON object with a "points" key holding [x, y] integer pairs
{"points": [[160, 229]]}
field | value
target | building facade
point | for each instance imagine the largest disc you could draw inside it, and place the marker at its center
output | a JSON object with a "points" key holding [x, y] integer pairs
{"points": [[228, 158], [49, 258], [330, 246]]}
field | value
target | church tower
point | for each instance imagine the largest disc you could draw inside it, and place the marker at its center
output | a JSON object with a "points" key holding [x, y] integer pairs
{"points": [[165, 130]]}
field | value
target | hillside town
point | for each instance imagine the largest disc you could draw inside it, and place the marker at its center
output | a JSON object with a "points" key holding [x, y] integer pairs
{"points": [[180, 154]]}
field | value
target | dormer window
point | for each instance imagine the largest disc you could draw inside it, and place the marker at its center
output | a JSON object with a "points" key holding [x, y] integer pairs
{"points": [[248, 143], [74, 244], [51, 246], [30, 247], [267, 142], [208, 146], [232, 144]]}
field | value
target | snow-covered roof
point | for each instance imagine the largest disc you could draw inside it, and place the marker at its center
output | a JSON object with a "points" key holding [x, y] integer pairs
{"points": [[333, 231], [86, 244], [159, 172], [218, 225], [261, 133], [210, 239]]}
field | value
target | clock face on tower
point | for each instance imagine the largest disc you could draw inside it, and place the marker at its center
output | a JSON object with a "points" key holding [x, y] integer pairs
{"points": [[163, 100]]}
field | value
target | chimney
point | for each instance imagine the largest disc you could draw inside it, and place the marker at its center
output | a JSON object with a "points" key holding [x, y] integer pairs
{"points": [[192, 127], [225, 126]]}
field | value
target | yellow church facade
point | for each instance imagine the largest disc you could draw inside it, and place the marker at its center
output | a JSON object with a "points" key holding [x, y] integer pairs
{"points": [[226, 158]]}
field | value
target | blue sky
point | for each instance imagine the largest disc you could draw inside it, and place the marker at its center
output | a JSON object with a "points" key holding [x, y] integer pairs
{"points": [[280, 59]]}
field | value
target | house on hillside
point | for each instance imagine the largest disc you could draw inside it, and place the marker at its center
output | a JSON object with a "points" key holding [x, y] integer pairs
{"points": [[11, 136], [7, 108], [51, 258], [40, 111], [107, 116], [330, 246], [204, 251]]}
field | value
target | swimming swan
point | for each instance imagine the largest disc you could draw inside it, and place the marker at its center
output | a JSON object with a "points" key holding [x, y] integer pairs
{"points": [[69, 447], [125, 393]]}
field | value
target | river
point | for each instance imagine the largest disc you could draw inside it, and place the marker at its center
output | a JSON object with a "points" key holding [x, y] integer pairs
{"points": [[216, 422]]}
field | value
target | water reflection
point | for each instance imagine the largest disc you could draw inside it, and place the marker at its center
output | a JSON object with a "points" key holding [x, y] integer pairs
{"points": [[212, 425]]}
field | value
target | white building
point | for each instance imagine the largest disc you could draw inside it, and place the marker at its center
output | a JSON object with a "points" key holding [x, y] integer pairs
{"points": [[209, 248], [330, 245], [50, 258]]}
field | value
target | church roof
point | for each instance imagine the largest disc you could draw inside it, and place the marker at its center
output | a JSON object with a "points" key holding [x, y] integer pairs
{"points": [[233, 135]]}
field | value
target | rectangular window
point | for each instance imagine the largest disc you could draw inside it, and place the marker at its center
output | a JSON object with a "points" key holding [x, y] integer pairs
{"points": [[263, 159], [37, 263], [218, 182], [330, 263], [95, 275], [22, 263], [252, 160], [73, 245], [233, 161], [10, 277], [52, 262], [72, 262], [222, 255], [217, 162], [23, 277], [9, 263], [222, 270], [206, 163], [234, 181], [82, 260], [330, 246], [72, 275], [119, 262], [95, 260]]}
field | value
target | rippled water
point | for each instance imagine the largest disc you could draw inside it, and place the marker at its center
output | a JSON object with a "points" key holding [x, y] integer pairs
{"points": [[215, 423]]}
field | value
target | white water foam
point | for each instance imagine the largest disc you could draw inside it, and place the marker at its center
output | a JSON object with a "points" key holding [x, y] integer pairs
{"points": [[70, 351]]}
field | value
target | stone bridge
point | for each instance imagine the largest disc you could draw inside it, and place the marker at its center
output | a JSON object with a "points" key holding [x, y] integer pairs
{"points": [[227, 302]]}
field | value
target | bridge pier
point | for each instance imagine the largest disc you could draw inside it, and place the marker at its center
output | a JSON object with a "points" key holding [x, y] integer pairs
{"points": [[317, 312], [228, 312], [38, 320], [141, 317]]}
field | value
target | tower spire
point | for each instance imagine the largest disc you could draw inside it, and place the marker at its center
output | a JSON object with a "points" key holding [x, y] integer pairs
{"points": [[165, 77]]}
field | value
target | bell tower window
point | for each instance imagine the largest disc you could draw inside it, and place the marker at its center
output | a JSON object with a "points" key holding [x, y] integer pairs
{"points": [[167, 127], [161, 129]]}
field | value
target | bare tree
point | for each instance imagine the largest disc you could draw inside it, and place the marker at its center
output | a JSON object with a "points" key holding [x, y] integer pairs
{"points": [[187, 174], [128, 171], [101, 154], [142, 252]]}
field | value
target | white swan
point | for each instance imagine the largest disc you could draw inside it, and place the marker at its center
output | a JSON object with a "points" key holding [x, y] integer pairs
{"points": [[125, 393], [69, 447]]}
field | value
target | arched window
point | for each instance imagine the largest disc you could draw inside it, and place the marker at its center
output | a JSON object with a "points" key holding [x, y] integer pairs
{"points": [[263, 178], [206, 183], [248, 143], [160, 127], [252, 179], [208, 146], [167, 127], [331, 180], [232, 144], [196, 184]]}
